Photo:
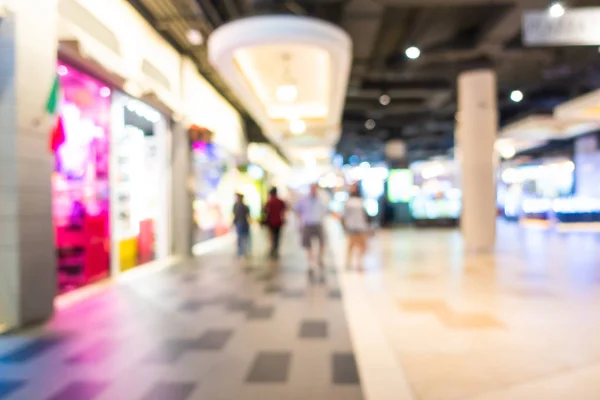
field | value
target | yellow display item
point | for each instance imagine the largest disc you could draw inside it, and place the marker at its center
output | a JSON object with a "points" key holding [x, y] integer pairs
{"points": [[128, 254]]}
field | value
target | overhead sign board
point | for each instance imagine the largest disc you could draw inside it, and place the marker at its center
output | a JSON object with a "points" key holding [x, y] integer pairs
{"points": [[577, 27]]}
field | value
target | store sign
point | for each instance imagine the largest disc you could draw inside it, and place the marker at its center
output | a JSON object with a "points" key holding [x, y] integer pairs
{"points": [[577, 27], [200, 134]]}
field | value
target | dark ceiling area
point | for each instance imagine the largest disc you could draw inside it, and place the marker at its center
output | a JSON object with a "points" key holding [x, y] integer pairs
{"points": [[453, 36]]}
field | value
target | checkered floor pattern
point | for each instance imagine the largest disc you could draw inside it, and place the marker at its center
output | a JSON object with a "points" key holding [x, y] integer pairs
{"points": [[212, 328]]}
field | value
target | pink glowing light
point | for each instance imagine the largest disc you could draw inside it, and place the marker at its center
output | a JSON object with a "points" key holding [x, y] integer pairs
{"points": [[199, 146], [62, 70], [104, 92]]}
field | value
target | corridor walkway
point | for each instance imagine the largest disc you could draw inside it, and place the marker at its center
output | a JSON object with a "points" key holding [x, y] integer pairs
{"points": [[425, 321], [214, 328], [520, 324]]}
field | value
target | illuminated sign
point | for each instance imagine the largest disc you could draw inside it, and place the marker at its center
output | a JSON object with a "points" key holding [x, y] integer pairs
{"points": [[400, 183], [576, 27], [200, 134]]}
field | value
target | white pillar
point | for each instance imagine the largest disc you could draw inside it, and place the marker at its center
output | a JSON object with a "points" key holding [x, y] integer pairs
{"points": [[28, 47], [477, 125], [182, 216]]}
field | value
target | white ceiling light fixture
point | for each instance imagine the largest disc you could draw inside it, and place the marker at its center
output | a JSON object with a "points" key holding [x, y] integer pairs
{"points": [[194, 36], [556, 9], [384, 99], [313, 90], [413, 52], [297, 126], [507, 152], [287, 93], [370, 124], [516, 96]]}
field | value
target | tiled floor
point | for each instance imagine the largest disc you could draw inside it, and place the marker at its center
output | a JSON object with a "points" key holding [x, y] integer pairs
{"points": [[214, 328], [427, 322], [521, 323]]}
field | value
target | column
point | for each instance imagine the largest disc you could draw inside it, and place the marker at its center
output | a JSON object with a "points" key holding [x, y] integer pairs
{"points": [[28, 47], [477, 124], [182, 198]]}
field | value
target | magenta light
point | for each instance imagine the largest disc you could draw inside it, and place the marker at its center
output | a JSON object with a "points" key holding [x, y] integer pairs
{"points": [[199, 146], [104, 92], [62, 70]]}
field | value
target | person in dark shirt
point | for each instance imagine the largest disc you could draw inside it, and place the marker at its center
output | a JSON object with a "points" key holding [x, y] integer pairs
{"points": [[241, 221], [274, 218]]}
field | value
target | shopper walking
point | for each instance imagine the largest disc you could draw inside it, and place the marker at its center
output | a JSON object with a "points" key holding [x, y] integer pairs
{"points": [[241, 221], [312, 211], [274, 219], [357, 225]]}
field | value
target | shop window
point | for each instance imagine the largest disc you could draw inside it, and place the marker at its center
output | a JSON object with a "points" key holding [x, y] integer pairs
{"points": [[80, 183], [139, 201]]}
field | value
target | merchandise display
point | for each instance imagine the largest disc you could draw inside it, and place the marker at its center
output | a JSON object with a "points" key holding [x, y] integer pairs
{"points": [[80, 183], [577, 210], [214, 191], [251, 183], [139, 160], [399, 186], [527, 191], [441, 203], [436, 196]]}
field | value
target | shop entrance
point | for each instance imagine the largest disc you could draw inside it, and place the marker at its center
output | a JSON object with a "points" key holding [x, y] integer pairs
{"points": [[80, 182], [140, 183]]}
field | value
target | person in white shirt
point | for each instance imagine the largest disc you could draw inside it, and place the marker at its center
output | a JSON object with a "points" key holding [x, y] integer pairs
{"points": [[357, 225], [312, 211]]}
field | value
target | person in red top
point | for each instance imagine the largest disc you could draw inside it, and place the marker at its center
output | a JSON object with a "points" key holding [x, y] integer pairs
{"points": [[274, 213]]}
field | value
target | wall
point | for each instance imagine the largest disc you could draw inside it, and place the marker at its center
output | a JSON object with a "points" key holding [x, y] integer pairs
{"points": [[27, 69], [204, 106], [114, 34]]}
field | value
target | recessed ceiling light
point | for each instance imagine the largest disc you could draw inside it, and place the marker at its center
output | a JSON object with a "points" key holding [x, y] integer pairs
{"points": [[556, 9], [516, 96], [413, 52], [297, 126], [384, 99], [508, 152], [287, 93], [194, 36], [370, 124]]}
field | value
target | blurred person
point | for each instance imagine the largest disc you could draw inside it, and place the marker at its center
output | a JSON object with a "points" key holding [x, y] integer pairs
{"points": [[241, 221], [274, 219], [312, 211], [357, 225]]}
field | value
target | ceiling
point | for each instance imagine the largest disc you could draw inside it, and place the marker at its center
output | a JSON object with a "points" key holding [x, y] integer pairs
{"points": [[264, 74], [453, 35], [291, 74]]}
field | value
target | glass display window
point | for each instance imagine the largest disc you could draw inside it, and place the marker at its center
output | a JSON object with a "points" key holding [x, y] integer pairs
{"points": [[139, 201], [80, 182], [214, 175]]}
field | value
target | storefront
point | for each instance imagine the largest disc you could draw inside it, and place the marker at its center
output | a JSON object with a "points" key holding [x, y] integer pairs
{"points": [[112, 184], [254, 184], [140, 182], [214, 175], [436, 194], [80, 182], [217, 147], [268, 169], [111, 180], [558, 192], [526, 192]]}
